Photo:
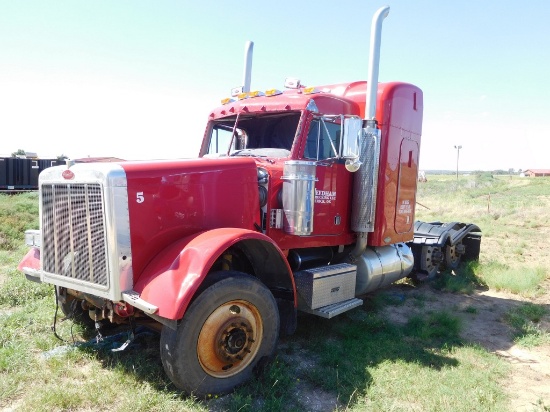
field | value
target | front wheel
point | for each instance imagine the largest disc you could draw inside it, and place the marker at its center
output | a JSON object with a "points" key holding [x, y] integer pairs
{"points": [[230, 329]]}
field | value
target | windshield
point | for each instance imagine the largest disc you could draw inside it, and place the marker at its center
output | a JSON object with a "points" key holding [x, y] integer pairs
{"points": [[269, 135]]}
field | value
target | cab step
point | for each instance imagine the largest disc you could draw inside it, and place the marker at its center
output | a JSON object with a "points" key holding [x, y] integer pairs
{"points": [[330, 311]]}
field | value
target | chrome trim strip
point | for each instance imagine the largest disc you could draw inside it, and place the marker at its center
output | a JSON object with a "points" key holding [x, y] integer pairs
{"points": [[134, 299]]}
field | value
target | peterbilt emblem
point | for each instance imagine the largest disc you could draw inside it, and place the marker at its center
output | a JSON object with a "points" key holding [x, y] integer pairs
{"points": [[67, 174]]}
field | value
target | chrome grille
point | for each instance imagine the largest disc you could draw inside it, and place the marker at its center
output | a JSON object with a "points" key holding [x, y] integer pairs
{"points": [[73, 230]]}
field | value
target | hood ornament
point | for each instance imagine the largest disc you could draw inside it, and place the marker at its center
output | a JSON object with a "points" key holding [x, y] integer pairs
{"points": [[68, 174]]}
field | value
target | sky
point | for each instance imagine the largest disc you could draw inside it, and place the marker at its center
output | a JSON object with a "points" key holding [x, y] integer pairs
{"points": [[138, 79]]}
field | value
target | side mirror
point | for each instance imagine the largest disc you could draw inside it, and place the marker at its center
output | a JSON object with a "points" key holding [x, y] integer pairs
{"points": [[353, 128]]}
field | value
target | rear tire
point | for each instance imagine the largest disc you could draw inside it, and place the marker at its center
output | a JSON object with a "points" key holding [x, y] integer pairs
{"points": [[452, 257], [228, 331], [430, 262]]}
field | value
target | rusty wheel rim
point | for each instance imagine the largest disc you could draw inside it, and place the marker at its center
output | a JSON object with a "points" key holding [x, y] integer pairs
{"points": [[229, 338], [427, 262], [452, 257]]}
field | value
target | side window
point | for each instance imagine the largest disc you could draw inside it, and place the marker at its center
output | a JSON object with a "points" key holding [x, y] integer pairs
{"points": [[323, 140], [330, 140], [221, 137], [312, 140]]}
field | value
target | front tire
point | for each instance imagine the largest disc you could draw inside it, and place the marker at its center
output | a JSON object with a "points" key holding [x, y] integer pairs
{"points": [[229, 330]]}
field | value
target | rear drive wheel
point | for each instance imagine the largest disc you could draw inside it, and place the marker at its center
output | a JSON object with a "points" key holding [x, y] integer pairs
{"points": [[452, 255], [227, 332], [430, 261]]}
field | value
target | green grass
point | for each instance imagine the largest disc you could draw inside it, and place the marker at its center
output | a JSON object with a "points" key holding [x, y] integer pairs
{"points": [[272, 393], [407, 386], [84, 378], [472, 276], [360, 360], [17, 214], [525, 281], [511, 212], [422, 365], [525, 319], [16, 290], [471, 309], [464, 279]]}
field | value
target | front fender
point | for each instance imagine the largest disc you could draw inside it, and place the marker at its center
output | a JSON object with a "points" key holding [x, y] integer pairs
{"points": [[172, 278]]}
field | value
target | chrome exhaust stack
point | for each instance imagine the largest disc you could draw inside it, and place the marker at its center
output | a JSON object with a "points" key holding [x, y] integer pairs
{"points": [[248, 49], [365, 182], [374, 61]]}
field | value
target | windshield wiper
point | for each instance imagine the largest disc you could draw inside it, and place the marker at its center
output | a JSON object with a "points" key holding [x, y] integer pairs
{"points": [[246, 153]]}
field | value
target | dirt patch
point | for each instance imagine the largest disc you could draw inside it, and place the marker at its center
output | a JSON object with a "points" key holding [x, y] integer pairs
{"points": [[529, 382], [308, 397], [482, 315]]}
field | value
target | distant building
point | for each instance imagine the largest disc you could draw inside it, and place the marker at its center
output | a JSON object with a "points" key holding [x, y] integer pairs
{"points": [[536, 172]]}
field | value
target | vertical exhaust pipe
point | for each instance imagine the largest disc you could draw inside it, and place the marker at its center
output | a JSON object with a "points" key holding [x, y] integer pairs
{"points": [[248, 49], [374, 61], [365, 182]]}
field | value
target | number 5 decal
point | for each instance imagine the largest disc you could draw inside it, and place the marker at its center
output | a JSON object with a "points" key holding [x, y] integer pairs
{"points": [[140, 198]]}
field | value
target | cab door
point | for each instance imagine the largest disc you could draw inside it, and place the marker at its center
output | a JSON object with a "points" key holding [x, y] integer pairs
{"points": [[333, 186]]}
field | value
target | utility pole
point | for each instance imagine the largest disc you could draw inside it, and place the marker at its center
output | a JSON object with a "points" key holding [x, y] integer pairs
{"points": [[457, 156]]}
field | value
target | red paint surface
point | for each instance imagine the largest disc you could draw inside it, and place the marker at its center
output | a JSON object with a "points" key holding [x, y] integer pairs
{"points": [[399, 114], [400, 119], [172, 278], [181, 198], [185, 213], [31, 260]]}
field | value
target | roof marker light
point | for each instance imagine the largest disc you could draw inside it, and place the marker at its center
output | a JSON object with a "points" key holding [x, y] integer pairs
{"points": [[255, 93], [242, 96], [272, 92], [310, 90], [227, 100]]}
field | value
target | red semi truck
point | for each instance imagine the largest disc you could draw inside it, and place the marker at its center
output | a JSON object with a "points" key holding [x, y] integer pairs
{"points": [[301, 200]]}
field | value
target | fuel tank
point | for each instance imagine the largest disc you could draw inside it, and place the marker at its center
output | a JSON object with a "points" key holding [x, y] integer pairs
{"points": [[380, 266]]}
